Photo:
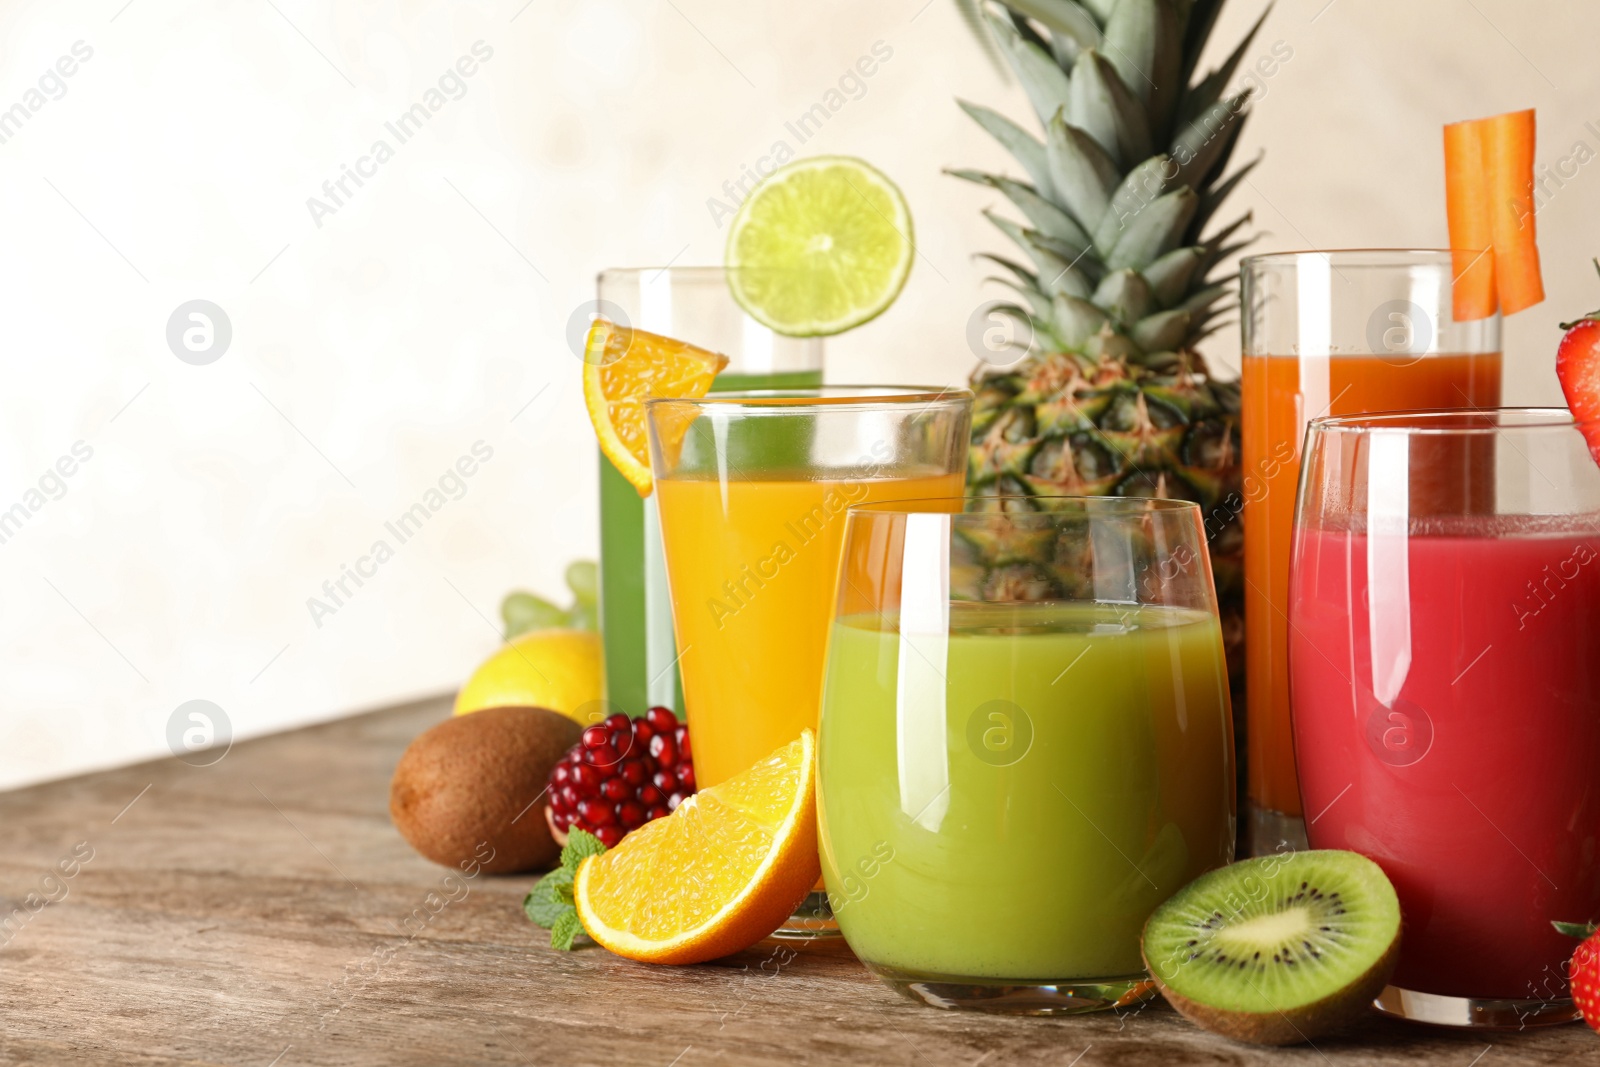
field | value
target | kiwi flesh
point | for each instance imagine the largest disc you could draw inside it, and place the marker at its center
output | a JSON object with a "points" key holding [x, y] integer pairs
{"points": [[1279, 949]]}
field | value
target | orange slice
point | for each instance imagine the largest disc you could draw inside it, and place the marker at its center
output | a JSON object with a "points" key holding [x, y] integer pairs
{"points": [[717, 875], [622, 368]]}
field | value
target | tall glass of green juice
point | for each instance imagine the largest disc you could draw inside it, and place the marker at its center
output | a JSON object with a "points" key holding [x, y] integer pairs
{"points": [[692, 304], [1025, 744]]}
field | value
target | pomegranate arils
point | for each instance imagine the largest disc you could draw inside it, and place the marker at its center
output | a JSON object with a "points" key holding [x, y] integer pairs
{"points": [[596, 812], [622, 774], [630, 813], [604, 757]]}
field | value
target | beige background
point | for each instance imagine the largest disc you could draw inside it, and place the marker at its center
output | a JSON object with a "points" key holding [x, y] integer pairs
{"points": [[428, 313]]}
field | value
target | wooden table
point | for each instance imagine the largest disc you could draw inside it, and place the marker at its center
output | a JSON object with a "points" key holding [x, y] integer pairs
{"points": [[263, 911]]}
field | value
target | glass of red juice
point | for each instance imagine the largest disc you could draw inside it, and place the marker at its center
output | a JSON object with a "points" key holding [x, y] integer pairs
{"points": [[1444, 672]]}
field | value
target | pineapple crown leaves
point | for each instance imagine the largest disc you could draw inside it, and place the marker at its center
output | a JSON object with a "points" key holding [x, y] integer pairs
{"points": [[1128, 174], [550, 903]]}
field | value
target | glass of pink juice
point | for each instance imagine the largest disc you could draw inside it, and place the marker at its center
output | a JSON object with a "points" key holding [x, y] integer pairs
{"points": [[1444, 662]]}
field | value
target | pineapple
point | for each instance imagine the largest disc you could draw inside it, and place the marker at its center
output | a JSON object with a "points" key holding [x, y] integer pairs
{"points": [[1115, 200]]}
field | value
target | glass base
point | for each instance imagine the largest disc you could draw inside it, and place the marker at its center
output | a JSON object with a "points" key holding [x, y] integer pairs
{"points": [[1470, 1012], [1018, 998], [811, 920], [1267, 832]]}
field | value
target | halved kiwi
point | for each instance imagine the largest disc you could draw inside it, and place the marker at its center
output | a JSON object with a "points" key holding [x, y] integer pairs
{"points": [[1276, 950]]}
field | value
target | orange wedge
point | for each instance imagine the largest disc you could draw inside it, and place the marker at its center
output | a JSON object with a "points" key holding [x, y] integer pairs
{"points": [[622, 368], [717, 875]]}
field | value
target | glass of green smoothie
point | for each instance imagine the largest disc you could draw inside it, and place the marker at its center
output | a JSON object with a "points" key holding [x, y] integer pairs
{"points": [[1025, 744]]}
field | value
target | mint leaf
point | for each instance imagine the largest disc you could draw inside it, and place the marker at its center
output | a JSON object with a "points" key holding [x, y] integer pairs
{"points": [[551, 897], [565, 930], [581, 844], [1581, 931]]}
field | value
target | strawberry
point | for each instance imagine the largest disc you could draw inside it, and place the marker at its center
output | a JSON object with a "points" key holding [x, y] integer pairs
{"points": [[1578, 367], [1583, 972]]}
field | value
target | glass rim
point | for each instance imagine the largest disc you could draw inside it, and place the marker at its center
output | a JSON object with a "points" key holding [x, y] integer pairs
{"points": [[1422, 421], [693, 272], [1354, 258], [819, 398], [1121, 506]]}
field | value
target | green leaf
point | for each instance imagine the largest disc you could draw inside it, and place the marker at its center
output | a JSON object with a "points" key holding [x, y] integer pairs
{"points": [[1169, 276], [1083, 174], [1038, 302], [1211, 87], [1143, 186], [1046, 217], [1581, 931], [1161, 331], [1202, 299], [1101, 9], [1042, 79], [565, 931], [1024, 275], [1023, 146], [1155, 231], [1212, 198], [1064, 17], [550, 898], [523, 612], [1126, 294], [1143, 43], [1202, 18], [581, 844], [583, 578], [1107, 110], [1076, 320], [584, 616], [1057, 274], [1203, 141]]}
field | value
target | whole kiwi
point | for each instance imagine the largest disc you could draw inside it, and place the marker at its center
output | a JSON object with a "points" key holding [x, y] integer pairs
{"points": [[469, 790]]}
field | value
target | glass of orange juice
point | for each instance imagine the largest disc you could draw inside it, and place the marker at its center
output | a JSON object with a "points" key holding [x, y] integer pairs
{"points": [[752, 489], [1328, 333]]}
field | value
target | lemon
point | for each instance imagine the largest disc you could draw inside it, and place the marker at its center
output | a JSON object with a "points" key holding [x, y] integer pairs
{"points": [[820, 246], [555, 669]]}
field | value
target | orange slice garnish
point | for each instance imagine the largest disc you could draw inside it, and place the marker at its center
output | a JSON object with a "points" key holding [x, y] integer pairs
{"points": [[717, 875], [622, 368]]}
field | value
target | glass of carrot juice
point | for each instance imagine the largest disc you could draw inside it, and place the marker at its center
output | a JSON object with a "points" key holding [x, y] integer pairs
{"points": [[1328, 334]]}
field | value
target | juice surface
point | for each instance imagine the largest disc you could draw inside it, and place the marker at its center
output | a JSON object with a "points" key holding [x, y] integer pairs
{"points": [[1281, 393], [753, 567], [1472, 782], [1013, 801]]}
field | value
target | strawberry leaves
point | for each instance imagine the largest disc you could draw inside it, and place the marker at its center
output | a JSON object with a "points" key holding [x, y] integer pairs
{"points": [[550, 903]]}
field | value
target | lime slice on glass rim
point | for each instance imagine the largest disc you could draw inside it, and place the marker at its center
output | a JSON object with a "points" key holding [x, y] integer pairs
{"points": [[822, 245]]}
